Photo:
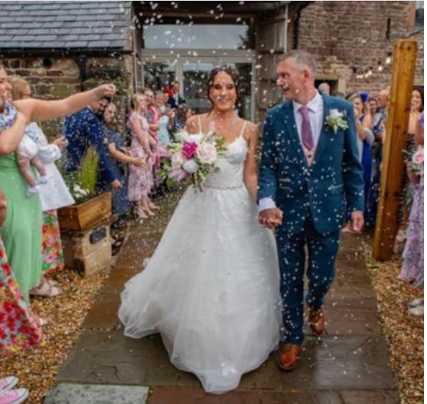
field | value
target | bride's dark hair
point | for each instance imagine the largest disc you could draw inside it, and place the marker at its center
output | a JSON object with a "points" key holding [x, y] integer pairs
{"points": [[232, 72]]}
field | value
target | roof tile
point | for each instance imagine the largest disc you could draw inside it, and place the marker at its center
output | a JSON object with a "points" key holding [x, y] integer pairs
{"points": [[67, 25]]}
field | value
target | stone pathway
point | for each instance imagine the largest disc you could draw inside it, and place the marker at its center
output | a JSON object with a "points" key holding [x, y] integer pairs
{"points": [[349, 365]]}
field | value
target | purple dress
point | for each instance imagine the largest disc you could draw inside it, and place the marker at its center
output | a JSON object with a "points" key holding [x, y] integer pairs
{"points": [[413, 255], [140, 178]]}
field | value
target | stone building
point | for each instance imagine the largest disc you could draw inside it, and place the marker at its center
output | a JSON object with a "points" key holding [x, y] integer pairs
{"points": [[61, 47]]}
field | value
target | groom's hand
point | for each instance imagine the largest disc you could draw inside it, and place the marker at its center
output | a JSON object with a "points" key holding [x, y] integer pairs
{"points": [[357, 221], [270, 218]]}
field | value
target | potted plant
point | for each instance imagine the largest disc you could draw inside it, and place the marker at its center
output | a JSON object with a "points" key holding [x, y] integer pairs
{"points": [[90, 208], [85, 231]]}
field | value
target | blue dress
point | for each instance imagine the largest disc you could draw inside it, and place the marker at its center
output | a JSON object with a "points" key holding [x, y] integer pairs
{"points": [[120, 196]]}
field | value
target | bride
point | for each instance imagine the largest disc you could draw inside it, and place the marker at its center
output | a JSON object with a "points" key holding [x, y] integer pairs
{"points": [[211, 288]]}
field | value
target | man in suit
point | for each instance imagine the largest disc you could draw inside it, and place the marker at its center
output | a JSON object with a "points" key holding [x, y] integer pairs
{"points": [[307, 167], [175, 99], [83, 129]]}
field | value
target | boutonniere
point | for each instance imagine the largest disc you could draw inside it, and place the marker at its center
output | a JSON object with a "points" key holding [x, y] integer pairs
{"points": [[337, 120]]}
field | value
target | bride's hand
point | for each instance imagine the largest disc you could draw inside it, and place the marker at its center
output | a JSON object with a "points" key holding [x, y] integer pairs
{"points": [[271, 218]]}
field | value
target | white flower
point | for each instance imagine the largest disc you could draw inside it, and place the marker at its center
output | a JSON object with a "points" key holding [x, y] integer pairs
{"points": [[177, 160], [182, 136], [337, 120], [206, 153], [190, 166]]}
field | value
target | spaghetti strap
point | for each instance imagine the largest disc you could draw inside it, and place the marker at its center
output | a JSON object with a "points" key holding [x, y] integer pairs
{"points": [[243, 129], [200, 123]]}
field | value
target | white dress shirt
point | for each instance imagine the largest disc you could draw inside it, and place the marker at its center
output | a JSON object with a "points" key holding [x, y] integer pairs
{"points": [[315, 115]]}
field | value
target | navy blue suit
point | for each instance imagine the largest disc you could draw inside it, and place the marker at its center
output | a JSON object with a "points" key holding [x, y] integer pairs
{"points": [[311, 199], [83, 129], [173, 102]]}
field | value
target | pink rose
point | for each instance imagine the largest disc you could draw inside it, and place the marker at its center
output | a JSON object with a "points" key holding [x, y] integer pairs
{"points": [[177, 175], [418, 157], [189, 150], [206, 153]]}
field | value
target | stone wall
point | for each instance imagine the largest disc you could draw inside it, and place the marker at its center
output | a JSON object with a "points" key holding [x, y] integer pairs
{"points": [[349, 38], [55, 78]]}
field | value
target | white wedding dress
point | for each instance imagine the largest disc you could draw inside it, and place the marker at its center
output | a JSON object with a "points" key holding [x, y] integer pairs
{"points": [[211, 288]]}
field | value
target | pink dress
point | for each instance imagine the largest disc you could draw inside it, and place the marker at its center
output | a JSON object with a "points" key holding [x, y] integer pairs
{"points": [[140, 178]]}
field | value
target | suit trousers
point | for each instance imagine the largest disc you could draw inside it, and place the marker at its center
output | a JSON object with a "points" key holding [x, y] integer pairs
{"points": [[322, 251]]}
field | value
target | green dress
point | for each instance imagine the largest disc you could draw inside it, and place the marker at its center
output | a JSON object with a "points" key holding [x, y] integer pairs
{"points": [[22, 230]]}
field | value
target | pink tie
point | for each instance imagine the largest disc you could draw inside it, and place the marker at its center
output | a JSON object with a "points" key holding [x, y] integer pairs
{"points": [[307, 135]]}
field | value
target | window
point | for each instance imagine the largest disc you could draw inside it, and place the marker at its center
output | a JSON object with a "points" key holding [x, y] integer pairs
{"points": [[196, 36]]}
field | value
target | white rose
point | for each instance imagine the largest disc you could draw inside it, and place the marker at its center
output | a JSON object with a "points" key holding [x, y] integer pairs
{"points": [[335, 114], [177, 160], [190, 166], [206, 153]]}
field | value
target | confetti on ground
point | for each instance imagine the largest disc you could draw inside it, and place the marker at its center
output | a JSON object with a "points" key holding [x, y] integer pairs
{"points": [[37, 368], [404, 333]]}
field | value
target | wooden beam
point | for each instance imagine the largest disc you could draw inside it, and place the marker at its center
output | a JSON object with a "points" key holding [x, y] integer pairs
{"points": [[405, 53]]}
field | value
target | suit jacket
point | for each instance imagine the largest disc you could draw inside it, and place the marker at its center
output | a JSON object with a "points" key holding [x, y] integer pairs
{"points": [[83, 129], [172, 101], [299, 190]]}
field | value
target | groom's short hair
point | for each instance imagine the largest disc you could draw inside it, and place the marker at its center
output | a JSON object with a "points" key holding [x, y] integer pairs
{"points": [[301, 57]]}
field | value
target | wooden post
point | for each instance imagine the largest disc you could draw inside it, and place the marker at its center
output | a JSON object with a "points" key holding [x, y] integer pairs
{"points": [[393, 166]]}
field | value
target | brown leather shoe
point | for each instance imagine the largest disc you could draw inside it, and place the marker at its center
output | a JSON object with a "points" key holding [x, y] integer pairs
{"points": [[288, 357], [316, 320]]}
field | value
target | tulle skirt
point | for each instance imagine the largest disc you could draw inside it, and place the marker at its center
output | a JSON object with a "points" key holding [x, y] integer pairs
{"points": [[211, 289]]}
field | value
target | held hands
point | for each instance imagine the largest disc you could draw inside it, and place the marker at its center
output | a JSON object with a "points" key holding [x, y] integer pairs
{"points": [[270, 218], [357, 221], [105, 91]]}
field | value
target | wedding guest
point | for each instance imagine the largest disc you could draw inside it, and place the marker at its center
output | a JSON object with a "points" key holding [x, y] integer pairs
{"points": [[365, 141], [82, 130], [406, 197], [9, 394], [118, 156], [413, 254], [22, 230], [165, 117], [153, 116], [179, 121], [383, 98], [140, 178], [175, 99], [19, 329], [325, 88], [54, 195]]}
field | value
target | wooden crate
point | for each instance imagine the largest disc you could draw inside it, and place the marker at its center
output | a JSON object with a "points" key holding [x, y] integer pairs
{"points": [[85, 215], [94, 262], [84, 253]]}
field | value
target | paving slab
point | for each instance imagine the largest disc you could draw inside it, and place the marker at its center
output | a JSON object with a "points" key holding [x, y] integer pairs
{"points": [[96, 394], [370, 397], [334, 363], [349, 365], [198, 396]]}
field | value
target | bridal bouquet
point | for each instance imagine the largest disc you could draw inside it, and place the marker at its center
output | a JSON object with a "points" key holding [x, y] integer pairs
{"points": [[194, 156], [416, 160]]}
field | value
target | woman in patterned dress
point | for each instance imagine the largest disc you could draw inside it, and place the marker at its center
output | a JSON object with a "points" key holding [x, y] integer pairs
{"points": [[140, 178], [413, 255]]}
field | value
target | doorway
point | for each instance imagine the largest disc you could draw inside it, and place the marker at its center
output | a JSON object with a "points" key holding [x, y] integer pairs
{"points": [[192, 72]]}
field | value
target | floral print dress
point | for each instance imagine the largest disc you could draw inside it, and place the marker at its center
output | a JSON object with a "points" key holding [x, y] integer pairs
{"points": [[18, 328]]}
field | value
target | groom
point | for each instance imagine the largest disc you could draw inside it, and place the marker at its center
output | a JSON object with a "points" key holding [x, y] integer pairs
{"points": [[308, 166]]}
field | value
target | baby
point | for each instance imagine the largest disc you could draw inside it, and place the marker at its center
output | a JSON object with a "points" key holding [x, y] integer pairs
{"points": [[27, 153]]}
